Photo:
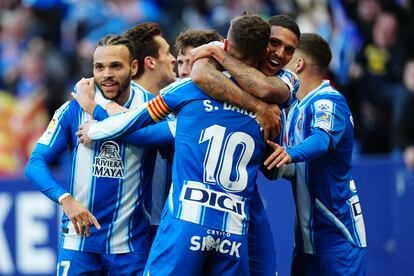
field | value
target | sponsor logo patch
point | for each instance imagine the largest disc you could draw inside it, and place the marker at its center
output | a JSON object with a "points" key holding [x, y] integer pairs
{"points": [[219, 244], [198, 194], [108, 163]]}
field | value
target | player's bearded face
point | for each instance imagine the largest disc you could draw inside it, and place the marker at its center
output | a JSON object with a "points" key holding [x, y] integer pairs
{"points": [[112, 72], [114, 89]]}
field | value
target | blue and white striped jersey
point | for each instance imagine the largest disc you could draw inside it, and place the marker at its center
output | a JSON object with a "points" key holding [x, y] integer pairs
{"points": [[327, 204], [218, 151], [111, 178], [291, 81], [162, 137]]}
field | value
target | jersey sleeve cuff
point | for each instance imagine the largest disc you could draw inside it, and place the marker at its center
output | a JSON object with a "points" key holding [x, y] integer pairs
{"points": [[62, 197]]}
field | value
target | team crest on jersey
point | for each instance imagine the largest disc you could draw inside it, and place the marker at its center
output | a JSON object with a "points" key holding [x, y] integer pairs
{"points": [[108, 163]]}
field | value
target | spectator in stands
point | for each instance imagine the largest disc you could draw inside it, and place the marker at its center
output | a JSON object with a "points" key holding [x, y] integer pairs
{"points": [[378, 63], [405, 130]]}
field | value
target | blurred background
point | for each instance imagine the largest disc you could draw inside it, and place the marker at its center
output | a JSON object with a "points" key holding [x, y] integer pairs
{"points": [[46, 46]]}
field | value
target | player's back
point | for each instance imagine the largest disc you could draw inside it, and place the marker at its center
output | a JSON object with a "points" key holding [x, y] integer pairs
{"points": [[219, 149]]}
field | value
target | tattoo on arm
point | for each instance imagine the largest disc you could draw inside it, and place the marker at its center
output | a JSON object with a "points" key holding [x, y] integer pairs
{"points": [[268, 88], [218, 86]]}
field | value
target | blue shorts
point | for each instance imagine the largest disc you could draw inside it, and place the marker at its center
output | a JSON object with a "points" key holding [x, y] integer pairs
{"points": [[262, 254], [185, 248], [71, 262], [349, 261]]}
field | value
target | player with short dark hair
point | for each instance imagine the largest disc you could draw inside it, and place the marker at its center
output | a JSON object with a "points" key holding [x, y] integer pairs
{"points": [[272, 83], [330, 232]]}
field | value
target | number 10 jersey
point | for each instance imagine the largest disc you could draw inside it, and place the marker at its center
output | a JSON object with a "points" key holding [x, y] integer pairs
{"points": [[218, 151]]}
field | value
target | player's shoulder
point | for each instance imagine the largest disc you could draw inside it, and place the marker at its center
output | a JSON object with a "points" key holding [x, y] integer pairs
{"points": [[328, 92], [140, 91], [285, 72], [290, 78], [66, 107], [184, 83]]}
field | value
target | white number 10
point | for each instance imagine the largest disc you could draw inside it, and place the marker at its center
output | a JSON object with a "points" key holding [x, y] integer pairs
{"points": [[218, 162]]}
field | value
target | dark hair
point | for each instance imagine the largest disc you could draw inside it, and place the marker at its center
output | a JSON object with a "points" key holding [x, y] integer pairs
{"points": [[195, 38], [285, 21], [112, 40], [250, 35], [316, 48], [142, 38]]}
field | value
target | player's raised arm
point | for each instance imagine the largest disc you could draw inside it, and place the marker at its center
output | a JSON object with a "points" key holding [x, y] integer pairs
{"points": [[149, 113], [223, 89], [268, 88], [116, 125]]}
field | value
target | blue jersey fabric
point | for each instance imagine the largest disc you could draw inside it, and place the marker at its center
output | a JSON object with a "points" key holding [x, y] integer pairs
{"points": [[200, 250], [160, 136], [216, 162], [74, 263], [329, 215], [292, 81], [349, 261], [111, 178]]}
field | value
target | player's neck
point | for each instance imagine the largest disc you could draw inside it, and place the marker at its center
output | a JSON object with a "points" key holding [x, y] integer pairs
{"points": [[307, 85], [148, 83], [124, 97]]}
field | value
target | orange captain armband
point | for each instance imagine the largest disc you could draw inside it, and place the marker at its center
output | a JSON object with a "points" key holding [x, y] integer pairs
{"points": [[158, 109]]}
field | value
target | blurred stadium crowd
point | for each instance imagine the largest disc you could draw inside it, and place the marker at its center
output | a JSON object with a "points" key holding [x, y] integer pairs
{"points": [[46, 47]]}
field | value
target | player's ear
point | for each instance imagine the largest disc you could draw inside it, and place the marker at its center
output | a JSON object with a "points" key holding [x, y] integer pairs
{"points": [[226, 44], [134, 67], [150, 62], [300, 65]]}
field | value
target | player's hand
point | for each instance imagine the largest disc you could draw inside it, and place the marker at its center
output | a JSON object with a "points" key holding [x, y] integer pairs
{"points": [[82, 133], [268, 117], [80, 216], [278, 158], [203, 51], [85, 94]]}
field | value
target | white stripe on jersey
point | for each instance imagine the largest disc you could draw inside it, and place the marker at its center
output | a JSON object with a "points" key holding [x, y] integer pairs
{"points": [[334, 219], [81, 189], [133, 165], [190, 210], [49, 136], [304, 203], [120, 229], [358, 221], [170, 198]]}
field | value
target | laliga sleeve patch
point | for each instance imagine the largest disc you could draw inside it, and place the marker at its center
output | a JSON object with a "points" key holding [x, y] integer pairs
{"points": [[323, 114], [46, 138]]}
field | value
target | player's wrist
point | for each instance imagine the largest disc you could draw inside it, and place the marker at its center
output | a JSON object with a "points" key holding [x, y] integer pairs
{"points": [[259, 106], [64, 197], [218, 54]]}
